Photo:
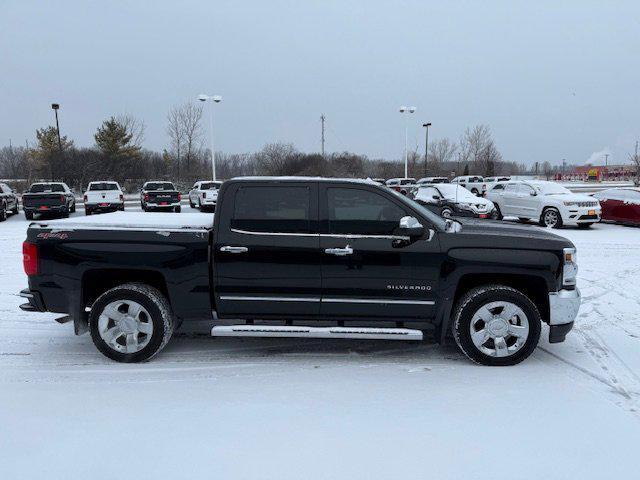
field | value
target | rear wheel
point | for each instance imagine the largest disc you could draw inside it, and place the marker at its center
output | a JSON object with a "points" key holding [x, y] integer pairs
{"points": [[496, 214], [87, 211], [131, 322], [446, 212], [28, 215], [551, 218], [496, 325], [3, 212], [73, 207], [15, 209], [191, 204], [178, 209]]}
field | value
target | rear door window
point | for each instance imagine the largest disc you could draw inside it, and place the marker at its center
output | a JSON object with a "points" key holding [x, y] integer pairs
{"points": [[273, 209]]}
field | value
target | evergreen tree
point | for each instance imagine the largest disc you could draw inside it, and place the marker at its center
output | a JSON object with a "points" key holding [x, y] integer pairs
{"points": [[47, 159], [115, 141]]}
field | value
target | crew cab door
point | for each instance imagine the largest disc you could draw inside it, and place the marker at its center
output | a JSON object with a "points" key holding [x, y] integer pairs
{"points": [[266, 257], [508, 199], [367, 270]]}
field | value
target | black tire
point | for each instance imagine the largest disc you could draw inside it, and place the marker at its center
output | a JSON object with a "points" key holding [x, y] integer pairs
{"points": [[191, 204], [87, 211], [497, 214], [73, 207], [557, 223], [178, 209], [3, 212], [584, 225], [153, 301], [28, 215], [14, 210], [121, 208], [200, 205], [478, 297], [65, 214]]}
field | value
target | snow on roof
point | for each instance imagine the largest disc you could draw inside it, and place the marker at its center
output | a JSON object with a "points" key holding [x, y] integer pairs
{"points": [[305, 179], [133, 220]]}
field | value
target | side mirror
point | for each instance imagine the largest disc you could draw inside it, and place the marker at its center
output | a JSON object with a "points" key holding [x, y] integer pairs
{"points": [[410, 227], [533, 193], [436, 197]]}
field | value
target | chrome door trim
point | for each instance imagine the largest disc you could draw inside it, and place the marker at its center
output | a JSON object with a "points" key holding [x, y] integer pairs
{"points": [[332, 235], [378, 301], [270, 299]]}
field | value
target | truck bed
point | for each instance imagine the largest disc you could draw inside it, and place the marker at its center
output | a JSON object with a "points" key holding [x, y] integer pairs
{"points": [[132, 221], [80, 256]]}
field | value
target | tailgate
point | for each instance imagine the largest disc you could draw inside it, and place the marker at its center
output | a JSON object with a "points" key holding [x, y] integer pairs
{"points": [[163, 197], [43, 200], [107, 196]]}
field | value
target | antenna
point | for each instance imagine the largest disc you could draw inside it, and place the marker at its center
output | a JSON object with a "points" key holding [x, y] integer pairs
{"points": [[322, 118]]}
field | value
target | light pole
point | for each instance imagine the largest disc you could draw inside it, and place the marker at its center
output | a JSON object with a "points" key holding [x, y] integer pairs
{"points": [[404, 109], [214, 99], [426, 146], [56, 107]]}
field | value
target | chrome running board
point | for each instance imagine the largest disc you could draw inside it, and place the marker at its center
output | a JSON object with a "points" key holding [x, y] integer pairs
{"points": [[316, 332]]}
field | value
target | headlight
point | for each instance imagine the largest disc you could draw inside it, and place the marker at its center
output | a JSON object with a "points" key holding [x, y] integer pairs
{"points": [[465, 206], [569, 267]]}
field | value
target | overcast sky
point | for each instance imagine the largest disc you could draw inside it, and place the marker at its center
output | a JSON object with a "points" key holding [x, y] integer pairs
{"points": [[553, 80]]}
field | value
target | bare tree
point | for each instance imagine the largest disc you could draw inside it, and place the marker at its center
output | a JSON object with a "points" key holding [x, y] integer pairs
{"points": [[635, 159], [176, 135], [191, 120], [134, 127], [273, 159], [441, 151]]}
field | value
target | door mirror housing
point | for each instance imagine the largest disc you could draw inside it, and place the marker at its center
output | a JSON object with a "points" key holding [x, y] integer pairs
{"points": [[410, 227], [436, 197], [533, 193]]}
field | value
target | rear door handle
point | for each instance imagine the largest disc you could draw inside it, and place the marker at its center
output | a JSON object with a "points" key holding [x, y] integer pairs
{"points": [[340, 252], [230, 249]]}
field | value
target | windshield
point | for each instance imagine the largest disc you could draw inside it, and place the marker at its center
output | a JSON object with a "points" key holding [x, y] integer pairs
{"points": [[159, 186], [46, 187], [551, 189], [456, 193], [103, 186], [210, 185], [407, 181]]}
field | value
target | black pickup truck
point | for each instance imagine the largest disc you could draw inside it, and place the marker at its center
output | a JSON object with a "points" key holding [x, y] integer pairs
{"points": [[160, 196], [54, 198], [300, 257]]}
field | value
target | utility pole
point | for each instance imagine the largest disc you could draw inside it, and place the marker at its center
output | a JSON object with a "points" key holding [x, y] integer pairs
{"points": [[606, 159], [322, 118]]}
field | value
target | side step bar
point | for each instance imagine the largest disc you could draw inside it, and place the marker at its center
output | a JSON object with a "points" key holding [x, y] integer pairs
{"points": [[316, 332]]}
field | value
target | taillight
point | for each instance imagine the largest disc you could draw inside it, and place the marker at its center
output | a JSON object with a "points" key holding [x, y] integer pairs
{"points": [[179, 196], [30, 258], [146, 197], [62, 198], [85, 199], [121, 197]]}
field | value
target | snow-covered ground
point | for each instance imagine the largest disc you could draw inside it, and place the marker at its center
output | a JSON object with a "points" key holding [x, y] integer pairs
{"points": [[305, 409]]}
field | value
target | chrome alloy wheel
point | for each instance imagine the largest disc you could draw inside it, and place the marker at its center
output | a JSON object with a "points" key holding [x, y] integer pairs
{"points": [[551, 218], [125, 326], [499, 329]]}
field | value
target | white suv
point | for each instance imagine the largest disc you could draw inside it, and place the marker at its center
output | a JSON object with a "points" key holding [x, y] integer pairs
{"points": [[204, 195], [548, 203]]}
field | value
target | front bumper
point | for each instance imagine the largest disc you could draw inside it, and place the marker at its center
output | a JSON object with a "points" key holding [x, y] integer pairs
{"points": [[583, 214], [563, 310]]}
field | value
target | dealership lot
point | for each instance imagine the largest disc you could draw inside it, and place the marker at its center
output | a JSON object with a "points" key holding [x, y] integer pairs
{"points": [[347, 408]]}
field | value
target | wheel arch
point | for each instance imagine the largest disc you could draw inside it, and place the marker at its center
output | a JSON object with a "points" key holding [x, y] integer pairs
{"points": [[533, 286]]}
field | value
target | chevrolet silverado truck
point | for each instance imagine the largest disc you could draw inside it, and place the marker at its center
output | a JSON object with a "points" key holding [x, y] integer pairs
{"points": [[50, 198], [301, 257]]}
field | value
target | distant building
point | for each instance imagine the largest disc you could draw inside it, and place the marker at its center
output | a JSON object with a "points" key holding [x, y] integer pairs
{"points": [[598, 173]]}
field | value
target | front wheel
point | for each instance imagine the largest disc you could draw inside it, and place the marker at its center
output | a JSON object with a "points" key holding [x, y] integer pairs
{"points": [[496, 214], [496, 325], [28, 215], [446, 212], [73, 207], [178, 209], [551, 218], [131, 322]]}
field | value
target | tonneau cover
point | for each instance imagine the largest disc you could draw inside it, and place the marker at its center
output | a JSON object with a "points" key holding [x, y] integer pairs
{"points": [[132, 220]]}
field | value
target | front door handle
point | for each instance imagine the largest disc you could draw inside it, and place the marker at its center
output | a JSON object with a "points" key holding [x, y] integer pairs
{"points": [[230, 249], [340, 252]]}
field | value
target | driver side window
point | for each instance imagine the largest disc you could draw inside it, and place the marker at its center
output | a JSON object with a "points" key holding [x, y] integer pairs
{"points": [[362, 212]]}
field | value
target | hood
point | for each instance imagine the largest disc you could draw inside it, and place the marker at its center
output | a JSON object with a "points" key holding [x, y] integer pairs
{"points": [[573, 197], [498, 234]]}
